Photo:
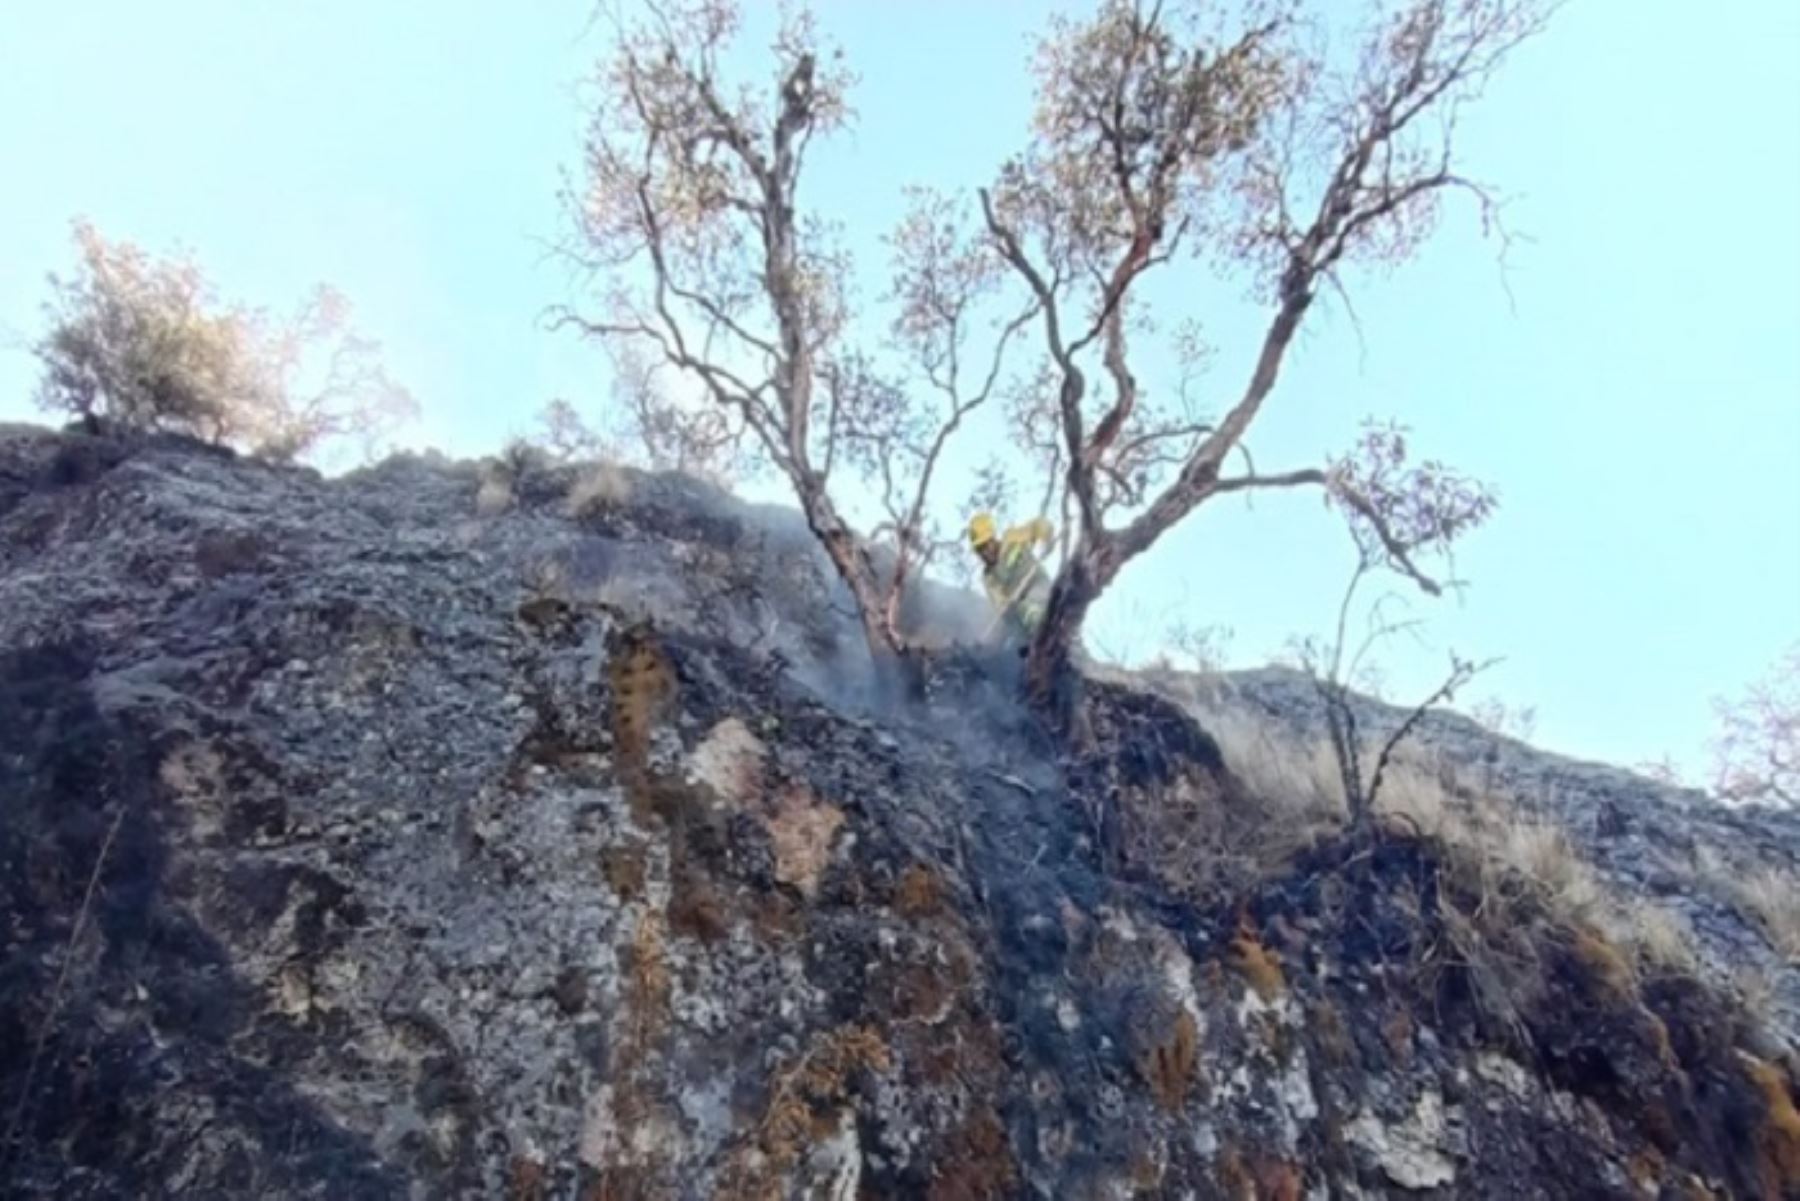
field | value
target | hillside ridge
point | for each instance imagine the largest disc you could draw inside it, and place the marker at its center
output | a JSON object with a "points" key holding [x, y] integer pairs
{"points": [[543, 831]]}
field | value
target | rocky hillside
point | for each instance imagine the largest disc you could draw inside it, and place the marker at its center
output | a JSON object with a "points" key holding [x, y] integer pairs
{"points": [[454, 830]]}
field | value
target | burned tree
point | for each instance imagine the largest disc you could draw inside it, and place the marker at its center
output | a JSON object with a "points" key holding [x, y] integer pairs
{"points": [[692, 211], [1156, 140]]}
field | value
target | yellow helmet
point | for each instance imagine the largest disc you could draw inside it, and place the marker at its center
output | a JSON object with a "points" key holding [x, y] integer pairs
{"points": [[981, 529]]}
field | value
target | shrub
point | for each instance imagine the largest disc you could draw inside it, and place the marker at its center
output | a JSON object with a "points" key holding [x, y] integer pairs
{"points": [[1773, 896], [1757, 752], [602, 486], [144, 344]]}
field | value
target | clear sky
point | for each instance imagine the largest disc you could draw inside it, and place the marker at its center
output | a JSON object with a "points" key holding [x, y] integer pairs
{"points": [[1631, 384]]}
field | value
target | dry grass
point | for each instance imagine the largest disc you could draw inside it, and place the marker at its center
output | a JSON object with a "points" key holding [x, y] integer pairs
{"points": [[1772, 896], [1516, 854], [1663, 938], [1530, 863], [1521, 902], [601, 487], [1297, 778], [1540, 852], [1281, 770], [1513, 861], [1766, 894], [1206, 839], [495, 496]]}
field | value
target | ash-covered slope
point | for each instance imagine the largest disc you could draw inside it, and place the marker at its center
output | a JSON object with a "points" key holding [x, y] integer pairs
{"points": [[363, 840]]}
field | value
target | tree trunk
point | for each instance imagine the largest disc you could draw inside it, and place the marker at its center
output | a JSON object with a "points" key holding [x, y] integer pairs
{"points": [[1051, 682], [851, 558]]}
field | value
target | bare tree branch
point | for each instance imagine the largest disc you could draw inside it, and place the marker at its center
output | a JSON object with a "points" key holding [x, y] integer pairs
{"points": [[1461, 672]]}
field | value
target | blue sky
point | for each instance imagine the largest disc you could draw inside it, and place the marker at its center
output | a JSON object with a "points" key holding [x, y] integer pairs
{"points": [[1631, 384]]}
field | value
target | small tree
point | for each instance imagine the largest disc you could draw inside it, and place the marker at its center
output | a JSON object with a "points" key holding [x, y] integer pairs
{"points": [[1756, 756], [1398, 512], [1154, 139], [145, 344]]}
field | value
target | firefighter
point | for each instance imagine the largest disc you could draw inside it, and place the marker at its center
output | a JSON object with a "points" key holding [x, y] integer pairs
{"points": [[1012, 574]]}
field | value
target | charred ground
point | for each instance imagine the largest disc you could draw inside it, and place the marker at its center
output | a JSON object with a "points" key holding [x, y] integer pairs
{"points": [[359, 844]]}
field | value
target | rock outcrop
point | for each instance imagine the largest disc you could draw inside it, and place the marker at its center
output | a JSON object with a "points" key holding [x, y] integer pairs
{"points": [[356, 843]]}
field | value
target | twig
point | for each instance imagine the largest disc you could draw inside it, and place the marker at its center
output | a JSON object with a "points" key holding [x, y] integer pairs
{"points": [[1461, 672]]}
